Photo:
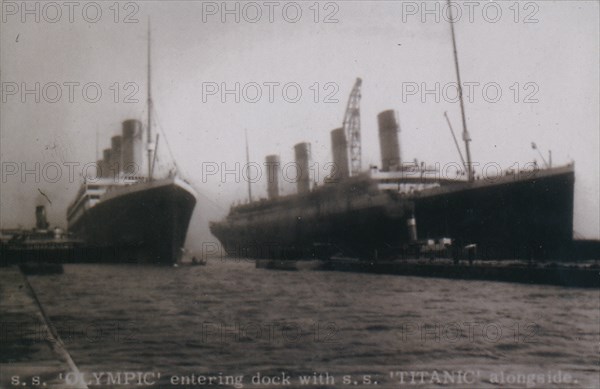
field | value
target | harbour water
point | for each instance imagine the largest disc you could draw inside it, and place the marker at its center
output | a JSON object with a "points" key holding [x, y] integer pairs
{"points": [[178, 327]]}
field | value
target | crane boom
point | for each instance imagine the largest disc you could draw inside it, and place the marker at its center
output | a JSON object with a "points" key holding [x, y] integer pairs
{"points": [[352, 128]]}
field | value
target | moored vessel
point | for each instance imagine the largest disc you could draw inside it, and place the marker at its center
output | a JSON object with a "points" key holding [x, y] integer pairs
{"points": [[403, 209]]}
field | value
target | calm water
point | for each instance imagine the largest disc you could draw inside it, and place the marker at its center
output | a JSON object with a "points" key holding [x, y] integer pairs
{"points": [[230, 319]]}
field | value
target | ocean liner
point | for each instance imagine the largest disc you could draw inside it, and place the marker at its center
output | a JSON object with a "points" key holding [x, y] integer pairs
{"points": [[404, 208], [125, 216], [389, 211]]}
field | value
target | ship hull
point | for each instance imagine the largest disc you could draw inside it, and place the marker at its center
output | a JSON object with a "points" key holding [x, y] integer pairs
{"points": [[350, 217], [144, 223], [509, 217], [355, 233], [514, 218]]}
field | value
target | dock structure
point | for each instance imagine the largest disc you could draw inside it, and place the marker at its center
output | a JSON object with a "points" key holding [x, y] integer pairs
{"points": [[509, 271], [33, 355]]}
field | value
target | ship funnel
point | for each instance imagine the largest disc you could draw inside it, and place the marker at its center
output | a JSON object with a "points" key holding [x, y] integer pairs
{"points": [[106, 163], [339, 150], [132, 147], [116, 152], [302, 151], [388, 141], [41, 223], [273, 168]]}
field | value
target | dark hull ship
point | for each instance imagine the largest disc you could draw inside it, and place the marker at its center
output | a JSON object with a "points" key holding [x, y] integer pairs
{"points": [[144, 222], [400, 210]]}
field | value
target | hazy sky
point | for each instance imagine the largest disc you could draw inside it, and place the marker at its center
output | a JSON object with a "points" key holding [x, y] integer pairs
{"points": [[552, 62]]}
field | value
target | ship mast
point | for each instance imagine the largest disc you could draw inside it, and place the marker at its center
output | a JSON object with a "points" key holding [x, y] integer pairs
{"points": [[465, 135], [149, 125], [248, 168]]}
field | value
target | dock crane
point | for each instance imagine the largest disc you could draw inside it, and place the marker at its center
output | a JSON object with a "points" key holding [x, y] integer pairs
{"points": [[352, 128]]}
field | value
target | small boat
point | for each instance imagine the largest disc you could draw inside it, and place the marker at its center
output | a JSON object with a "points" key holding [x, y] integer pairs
{"points": [[198, 262]]}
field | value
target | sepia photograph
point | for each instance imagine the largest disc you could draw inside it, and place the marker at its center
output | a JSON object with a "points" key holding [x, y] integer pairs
{"points": [[299, 194]]}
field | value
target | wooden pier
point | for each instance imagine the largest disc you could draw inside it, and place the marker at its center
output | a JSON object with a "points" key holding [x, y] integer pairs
{"points": [[33, 355]]}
